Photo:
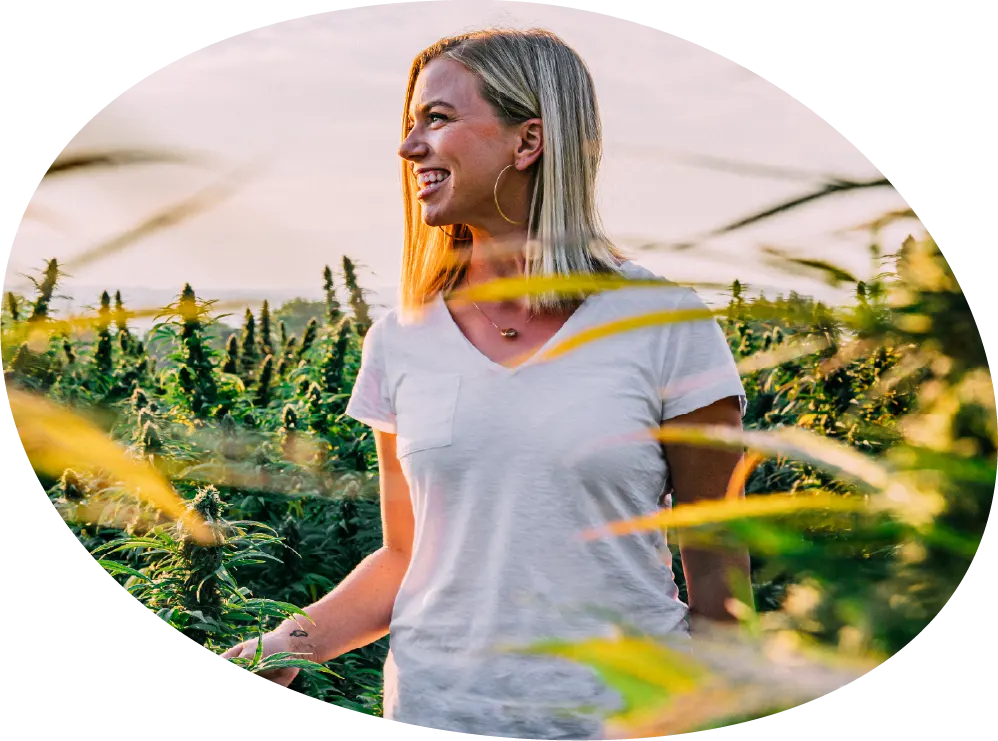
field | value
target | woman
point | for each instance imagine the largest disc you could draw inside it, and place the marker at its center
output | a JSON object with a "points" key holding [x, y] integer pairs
{"points": [[492, 461]]}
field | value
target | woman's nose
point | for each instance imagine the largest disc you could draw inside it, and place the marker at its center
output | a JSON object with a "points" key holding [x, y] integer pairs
{"points": [[411, 147]]}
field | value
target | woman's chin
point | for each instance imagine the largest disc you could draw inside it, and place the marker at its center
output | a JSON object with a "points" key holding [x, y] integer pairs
{"points": [[436, 219]]}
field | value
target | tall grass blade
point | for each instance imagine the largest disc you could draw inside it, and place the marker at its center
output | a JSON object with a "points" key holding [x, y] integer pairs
{"points": [[698, 514], [56, 439], [38, 332], [501, 289], [830, 188], [831, 274], [170, 216], [110, 159]]}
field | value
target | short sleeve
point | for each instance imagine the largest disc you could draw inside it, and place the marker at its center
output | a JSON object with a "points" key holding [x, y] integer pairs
{"points": [[371, 402], [697, 365]]}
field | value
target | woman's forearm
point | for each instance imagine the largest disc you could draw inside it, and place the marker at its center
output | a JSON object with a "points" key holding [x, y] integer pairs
{"points": [[707, 474], [357, 612], [713, 577]]}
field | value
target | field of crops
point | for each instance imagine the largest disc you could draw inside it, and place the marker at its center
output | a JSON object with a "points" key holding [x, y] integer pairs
{"points": [[216, 477]]}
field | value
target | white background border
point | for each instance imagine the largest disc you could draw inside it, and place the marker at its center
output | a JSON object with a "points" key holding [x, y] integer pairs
{"points": [[907, 83]]}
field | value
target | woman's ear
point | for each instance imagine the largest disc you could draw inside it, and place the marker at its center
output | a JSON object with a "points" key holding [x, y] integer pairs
{"points": [[531, 143]]}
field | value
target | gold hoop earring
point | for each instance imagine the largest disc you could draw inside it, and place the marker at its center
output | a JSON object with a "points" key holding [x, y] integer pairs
{"points": [[495, 195]]}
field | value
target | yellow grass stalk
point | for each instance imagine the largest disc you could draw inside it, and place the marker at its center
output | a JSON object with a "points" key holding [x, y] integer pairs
{"points": [[37, 334], [713, 512], [56, 438]]}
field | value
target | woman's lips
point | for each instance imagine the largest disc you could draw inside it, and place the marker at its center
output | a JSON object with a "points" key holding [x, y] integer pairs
{"points": [[431, 188]]}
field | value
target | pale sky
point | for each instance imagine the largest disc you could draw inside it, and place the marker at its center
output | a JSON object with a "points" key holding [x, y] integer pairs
{"points": [[318, 102]]}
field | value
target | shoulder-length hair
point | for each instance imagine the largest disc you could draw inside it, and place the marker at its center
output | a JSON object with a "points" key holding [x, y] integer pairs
{"points": [[523, 74]]}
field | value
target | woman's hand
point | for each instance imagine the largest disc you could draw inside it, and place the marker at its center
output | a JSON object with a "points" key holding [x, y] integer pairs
{"points": [[277, 641]]}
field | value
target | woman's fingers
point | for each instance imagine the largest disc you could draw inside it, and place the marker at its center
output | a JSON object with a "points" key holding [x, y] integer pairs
{"points": [[233, 652], [246, 649]]}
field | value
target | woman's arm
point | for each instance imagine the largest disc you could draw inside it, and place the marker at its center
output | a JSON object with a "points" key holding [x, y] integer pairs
{"points": [[358, 611], [701, 473]]}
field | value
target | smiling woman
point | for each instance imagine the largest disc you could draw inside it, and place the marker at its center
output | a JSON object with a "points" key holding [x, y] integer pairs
{"points": [[493, 460], [491, 123]]}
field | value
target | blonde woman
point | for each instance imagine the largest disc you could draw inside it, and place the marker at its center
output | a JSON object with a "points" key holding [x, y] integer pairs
{"points": [[492, 460]]}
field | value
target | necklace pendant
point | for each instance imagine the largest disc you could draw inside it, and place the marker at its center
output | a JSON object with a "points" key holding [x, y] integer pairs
{"points": [[511, 332]]}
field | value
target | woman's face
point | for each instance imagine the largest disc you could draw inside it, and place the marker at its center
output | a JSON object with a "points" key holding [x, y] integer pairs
{"points": [[457, 147]]}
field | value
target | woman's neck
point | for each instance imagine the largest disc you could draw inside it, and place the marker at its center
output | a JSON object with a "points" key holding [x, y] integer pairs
{"points": [[494, 258]]}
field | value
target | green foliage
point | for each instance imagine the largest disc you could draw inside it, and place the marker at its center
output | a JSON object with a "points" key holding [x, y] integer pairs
{"points": [[103, 354], [866, 387], [190, 585], [217, 438], [265, 378], [45, 291], [231, 364], [259, 434], [266, 336], [13, 307], [361, 311], [250, 355], [295, 314], [333, 311], [311, 332]]}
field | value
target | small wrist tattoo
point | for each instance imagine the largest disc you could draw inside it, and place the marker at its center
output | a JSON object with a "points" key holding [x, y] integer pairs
{"points": [[299, 633]]}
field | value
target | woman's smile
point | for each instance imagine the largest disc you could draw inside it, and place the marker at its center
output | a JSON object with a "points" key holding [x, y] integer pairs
{"points": [[432, 187]]}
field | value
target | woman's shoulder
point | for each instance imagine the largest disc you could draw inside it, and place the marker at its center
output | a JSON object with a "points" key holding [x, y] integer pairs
{"points": [[395, 325], [382, 328], [662, 295]]}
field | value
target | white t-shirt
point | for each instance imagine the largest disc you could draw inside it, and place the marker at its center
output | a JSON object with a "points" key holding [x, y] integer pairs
{"points": [[506, 468]]}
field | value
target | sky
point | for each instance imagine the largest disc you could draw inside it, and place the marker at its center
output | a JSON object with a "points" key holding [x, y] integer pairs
{"points": [[314, 107]]}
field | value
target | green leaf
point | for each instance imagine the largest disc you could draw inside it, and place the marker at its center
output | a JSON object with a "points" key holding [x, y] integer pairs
{"points": [[259, 649], [286, 660], [116, 567], [236, 562], [224, 576], [103, 549], [273, 607], [278, 655]]}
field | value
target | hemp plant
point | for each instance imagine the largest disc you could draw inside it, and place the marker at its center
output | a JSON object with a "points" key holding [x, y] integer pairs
{"points": [[333, 311], [191, 585]]}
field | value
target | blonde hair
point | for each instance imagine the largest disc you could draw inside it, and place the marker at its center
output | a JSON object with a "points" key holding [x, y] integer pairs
{"points": [[523, 74]]}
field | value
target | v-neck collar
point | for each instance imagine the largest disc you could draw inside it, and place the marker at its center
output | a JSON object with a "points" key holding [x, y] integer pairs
{"points": [[488, 362]]}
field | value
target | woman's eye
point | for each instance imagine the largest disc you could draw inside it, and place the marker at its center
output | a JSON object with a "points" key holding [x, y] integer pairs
{"points": [[430, 118]]}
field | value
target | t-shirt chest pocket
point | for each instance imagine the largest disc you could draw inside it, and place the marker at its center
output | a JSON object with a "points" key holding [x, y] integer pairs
{"points": [[425, 403]]}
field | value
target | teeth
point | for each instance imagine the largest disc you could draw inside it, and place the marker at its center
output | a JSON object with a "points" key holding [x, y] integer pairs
{"points": [[426, 178]]}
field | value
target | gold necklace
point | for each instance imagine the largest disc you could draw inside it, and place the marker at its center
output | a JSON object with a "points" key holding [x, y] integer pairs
{"points": [[509, 332]]}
